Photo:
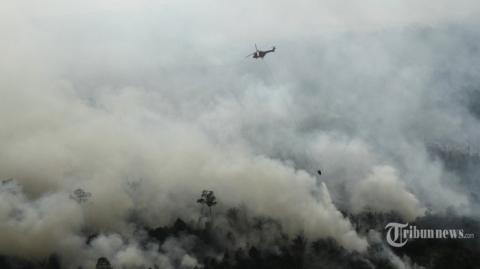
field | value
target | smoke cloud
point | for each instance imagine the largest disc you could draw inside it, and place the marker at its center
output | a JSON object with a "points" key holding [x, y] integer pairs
{"points": [[146, 103]]}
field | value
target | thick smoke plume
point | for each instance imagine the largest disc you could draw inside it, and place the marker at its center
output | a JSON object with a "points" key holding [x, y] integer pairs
{"points": [[144, 104]]}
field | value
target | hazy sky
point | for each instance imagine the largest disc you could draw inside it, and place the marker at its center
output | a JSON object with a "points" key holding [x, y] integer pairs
{"points": [[100, 94]]}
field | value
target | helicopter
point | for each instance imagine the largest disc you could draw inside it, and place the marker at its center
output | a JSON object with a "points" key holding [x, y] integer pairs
{"points": [[260, 53]]}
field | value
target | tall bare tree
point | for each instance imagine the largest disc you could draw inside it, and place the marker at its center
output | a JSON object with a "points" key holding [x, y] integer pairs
{"points": [[208, 198]]}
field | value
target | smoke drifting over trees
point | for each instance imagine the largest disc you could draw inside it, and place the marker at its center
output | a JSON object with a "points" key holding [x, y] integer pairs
{"points": [[115, 115]]}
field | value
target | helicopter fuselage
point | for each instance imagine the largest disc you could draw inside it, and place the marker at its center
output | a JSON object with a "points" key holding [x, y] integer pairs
{"points": [[261, 53]]}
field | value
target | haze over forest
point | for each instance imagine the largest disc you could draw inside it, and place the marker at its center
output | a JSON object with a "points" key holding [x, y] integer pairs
{"points": [[116, 115]]}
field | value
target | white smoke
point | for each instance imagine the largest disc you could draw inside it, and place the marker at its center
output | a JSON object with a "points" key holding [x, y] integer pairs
{"points": [[382, 191], [98, 95], [35, 228]]}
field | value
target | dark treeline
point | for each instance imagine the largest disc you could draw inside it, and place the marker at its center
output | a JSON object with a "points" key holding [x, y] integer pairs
{"points": [[259, 242]]}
